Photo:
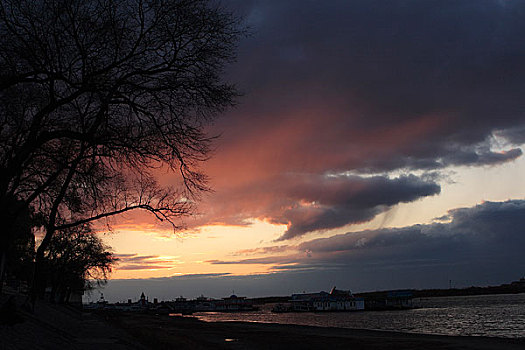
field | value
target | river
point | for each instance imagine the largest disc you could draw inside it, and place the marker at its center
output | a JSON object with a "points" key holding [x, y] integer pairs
{"points": [[485, 315]]}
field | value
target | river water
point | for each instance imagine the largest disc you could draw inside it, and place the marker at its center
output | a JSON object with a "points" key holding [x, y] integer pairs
{"points": [[485, 315]]}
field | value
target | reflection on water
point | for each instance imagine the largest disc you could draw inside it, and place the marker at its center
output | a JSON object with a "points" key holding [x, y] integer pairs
{"points": [[486, 315]]}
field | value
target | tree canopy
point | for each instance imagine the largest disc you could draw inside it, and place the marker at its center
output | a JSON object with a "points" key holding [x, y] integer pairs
{"points": [[76, 260], [97, 94]]}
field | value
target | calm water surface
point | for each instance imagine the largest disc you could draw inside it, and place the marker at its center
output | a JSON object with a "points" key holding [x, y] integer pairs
{"points": [[486, 315]]}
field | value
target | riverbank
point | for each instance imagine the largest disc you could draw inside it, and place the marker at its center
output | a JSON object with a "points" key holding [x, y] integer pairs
{"points": [[165, 332], [51, 327], [60, 327], [488, 316]]}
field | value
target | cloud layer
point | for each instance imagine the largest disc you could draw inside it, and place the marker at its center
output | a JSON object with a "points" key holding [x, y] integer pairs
{"points": [[144, 262], [489, 233], [481, 245], [363, 87]]}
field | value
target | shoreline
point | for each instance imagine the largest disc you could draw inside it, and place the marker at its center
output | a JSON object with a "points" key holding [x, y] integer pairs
{"points": [[54, 326], [163, 332]]}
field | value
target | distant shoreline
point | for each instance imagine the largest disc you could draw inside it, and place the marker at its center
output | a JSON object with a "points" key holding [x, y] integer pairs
{"points": [[457, 292], [515, 288]]}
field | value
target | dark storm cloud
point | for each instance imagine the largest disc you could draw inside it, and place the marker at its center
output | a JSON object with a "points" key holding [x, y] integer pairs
{"points": [[309, 202], [491, 231], [344, 200], [364, 87], [481, 245], [463, 157], [388, 63], [381, 64], [455, 156]]}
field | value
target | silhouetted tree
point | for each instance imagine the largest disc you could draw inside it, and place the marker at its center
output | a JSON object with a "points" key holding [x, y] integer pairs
{"points": [[96, 94], [75, 260], [21, 254]]}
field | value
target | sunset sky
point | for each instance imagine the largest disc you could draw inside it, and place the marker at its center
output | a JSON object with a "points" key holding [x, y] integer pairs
{"points": [[377, 145]]}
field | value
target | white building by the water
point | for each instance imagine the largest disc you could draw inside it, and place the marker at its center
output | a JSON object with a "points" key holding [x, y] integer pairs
{"points": [[336, 300]]}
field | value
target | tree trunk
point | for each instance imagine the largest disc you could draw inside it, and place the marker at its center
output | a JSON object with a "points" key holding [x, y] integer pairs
{"points": [[6, 239], [3, 263], [37, 283]]}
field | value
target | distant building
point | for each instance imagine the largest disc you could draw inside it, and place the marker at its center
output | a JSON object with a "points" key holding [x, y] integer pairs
{"points": [[233, 303], [202, 304], [336, 300], [143, 302], [100, 304], [141, 305]]}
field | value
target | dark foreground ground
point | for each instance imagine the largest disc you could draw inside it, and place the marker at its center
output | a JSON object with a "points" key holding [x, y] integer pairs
{"points": [[56, 327], [163, 332]]}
